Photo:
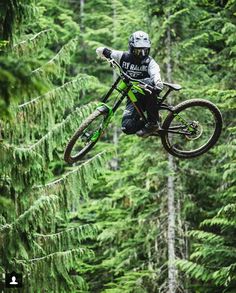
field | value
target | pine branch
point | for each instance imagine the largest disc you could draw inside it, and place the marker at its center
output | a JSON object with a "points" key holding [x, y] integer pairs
{"points": [[12, 14], [67, 186], [40, 212], [55, 65], [80, 82], [189, 43], [207, 237], [66, 238], [228, 211], [214, 255], [42, 151], [223, 223], [41, 215], [67, 189], [53, 139], [194, 270], [33, 43], [44, 111], [225, 275], [170, 20], [64, 255], [21, 165], [57, 265], [226, 98]]}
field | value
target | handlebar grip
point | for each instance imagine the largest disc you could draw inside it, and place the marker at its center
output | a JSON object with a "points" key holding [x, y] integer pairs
{"points": [[149, 87]]}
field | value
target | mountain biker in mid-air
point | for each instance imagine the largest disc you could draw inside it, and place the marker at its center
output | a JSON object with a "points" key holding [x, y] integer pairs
{"points": [[139, 65], [189, 128]]}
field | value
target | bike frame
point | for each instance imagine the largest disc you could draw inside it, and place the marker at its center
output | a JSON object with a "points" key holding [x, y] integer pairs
{"points": [[127, 88]]}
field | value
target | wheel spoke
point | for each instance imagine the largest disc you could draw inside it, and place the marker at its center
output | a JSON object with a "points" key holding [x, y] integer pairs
{"points": [[88, 137], [85, 137], [192, 127], [199, 127]]}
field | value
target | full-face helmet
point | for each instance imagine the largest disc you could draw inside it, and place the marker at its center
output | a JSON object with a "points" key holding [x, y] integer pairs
{"points": [[139, 44]]}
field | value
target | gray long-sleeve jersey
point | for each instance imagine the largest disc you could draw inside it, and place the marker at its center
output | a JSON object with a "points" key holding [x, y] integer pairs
{"points": [[145, 69]]}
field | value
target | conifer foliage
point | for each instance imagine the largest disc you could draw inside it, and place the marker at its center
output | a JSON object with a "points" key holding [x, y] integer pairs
{"points": [[73, 229], [40, 98]]}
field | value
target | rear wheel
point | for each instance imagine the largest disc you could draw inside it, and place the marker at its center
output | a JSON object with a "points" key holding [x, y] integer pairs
{"points": [[85, 137], [192, 128]]}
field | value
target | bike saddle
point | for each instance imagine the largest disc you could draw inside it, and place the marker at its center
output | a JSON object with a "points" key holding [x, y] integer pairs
{"points": [[173, 86]]}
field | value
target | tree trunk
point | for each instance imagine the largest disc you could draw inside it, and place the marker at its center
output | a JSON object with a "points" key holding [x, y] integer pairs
{"points": [[114, 162], [82, 15], [172, 284]]}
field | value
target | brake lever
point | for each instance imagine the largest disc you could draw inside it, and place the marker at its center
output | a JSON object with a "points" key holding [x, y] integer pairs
{"points": [[145, 88], [109, 61]]}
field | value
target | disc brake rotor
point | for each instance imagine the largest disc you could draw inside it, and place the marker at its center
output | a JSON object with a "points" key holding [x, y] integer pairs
{"points": [[198, 130]]}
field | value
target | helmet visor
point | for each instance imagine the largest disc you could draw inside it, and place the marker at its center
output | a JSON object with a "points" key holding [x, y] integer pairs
{"points": [[141, 51]]}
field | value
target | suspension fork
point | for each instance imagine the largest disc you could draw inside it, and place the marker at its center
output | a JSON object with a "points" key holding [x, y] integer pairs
{"points": [[113, 87], [110, 111], [131, 96], [124, 94], [138, 109]]}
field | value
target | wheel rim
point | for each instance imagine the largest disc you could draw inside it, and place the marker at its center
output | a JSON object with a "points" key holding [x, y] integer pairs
{"points": [[88, 137], [196, 125]]}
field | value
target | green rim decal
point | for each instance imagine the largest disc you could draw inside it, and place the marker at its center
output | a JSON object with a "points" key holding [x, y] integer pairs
{"points": [[96, 135]]}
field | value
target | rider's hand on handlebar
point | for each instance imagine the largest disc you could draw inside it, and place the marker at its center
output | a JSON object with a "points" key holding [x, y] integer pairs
{"points": [[156, 90], [153, 90]]}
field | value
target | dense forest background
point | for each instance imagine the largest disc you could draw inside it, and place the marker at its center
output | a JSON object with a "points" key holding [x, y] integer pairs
{"points": [[130, 218]]}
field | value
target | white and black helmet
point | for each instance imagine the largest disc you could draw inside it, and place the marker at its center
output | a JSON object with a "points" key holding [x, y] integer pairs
{"points": [[139, 44]]}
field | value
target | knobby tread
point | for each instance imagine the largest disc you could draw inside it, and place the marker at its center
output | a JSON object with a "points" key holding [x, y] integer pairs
{"points": [[206, 147], [67, 154]]}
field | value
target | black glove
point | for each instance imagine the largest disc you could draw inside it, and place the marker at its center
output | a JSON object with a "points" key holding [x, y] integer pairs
{"points": [[156, 90], [107, 53]]}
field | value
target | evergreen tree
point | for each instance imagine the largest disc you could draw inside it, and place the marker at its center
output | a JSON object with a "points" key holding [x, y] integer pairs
{"points": [[211, 81], [74, 230], [39, 236]]}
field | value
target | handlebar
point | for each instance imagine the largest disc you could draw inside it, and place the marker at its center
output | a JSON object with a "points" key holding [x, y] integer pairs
{"points": [[142, 84]]}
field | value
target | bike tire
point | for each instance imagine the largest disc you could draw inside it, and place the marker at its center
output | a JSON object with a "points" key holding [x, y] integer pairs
{"points": [[204, 148], [68, 150]]}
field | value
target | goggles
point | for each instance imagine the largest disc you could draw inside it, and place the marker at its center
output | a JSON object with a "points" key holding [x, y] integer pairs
{"points": [[141, 51]]}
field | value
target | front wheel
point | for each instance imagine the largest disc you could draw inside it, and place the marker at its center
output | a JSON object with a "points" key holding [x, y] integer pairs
{"points": [[85, 137], [192, 128]]}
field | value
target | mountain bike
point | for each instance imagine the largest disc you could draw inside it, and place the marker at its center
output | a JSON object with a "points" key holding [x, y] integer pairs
{"points": [[189, 129]]}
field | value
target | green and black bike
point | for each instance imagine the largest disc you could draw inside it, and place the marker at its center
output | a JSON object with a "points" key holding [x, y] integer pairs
{"points": [[189, 129]]}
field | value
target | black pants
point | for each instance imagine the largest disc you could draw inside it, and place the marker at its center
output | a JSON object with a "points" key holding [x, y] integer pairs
{"points": [[131, 121]]}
